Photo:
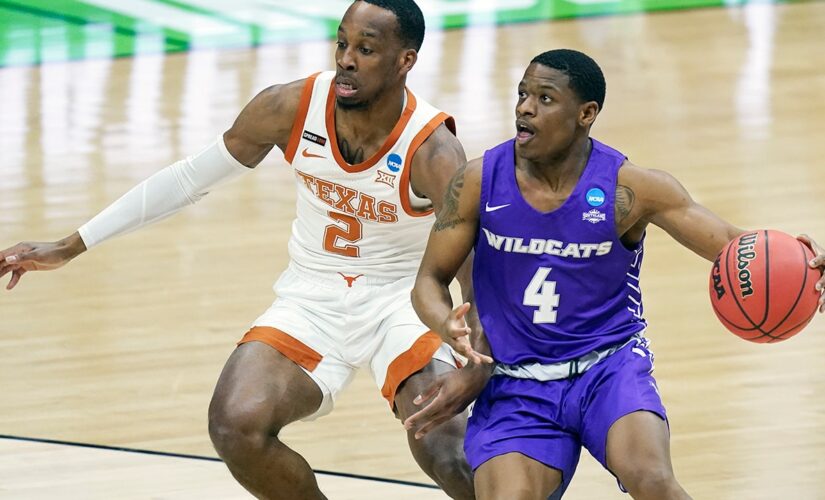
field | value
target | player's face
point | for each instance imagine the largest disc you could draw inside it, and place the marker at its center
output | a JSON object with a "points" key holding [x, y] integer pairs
{"points": [[368, 55], [548, 113]]}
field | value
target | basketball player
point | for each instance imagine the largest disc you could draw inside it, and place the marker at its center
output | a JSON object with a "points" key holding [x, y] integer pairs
{"points": [[369, 156], [558, 221]]}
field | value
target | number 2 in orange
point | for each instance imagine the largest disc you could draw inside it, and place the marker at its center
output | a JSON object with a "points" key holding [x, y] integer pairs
{"points": [[349, 233]]}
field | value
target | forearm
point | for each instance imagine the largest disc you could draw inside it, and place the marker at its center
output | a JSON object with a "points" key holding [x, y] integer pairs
{"points": [[432, 302], [72, 245], [163, 194], [478, 340]]}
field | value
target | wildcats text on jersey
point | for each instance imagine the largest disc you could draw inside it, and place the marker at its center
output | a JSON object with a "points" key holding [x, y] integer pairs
{"points": [[350, 201], [538, 246]]}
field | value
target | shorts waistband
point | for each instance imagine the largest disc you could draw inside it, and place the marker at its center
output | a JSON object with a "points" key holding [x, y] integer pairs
{"points": [[565, 369], [348, 279]]}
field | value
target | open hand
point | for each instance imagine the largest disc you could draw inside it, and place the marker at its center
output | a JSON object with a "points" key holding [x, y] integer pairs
{"points": [[456, 333], [446, 397], [33, 256]]}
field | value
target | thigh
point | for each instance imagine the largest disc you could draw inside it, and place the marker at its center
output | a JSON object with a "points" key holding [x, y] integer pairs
{"points": [[260, 388], [514, 416], [638, 441], [302, 332], [619, 386], [406, 347], [515, 477]]}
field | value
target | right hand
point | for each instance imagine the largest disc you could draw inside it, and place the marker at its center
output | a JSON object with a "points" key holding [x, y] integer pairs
{"points": [[448, 396], [34, 256], [456, 333]]}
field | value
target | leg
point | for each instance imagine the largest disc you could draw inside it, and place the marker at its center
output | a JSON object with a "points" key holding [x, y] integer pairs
{"points": [[515, 477], [259, 392], [440, 454], [624, 425], [638, 453]]}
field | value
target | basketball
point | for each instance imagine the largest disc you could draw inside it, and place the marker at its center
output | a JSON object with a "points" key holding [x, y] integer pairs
{"points": [[762, 288]]}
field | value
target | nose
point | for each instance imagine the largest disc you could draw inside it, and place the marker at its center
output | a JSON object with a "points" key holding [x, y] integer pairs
{"points": [[526, 106], [346, 61]]}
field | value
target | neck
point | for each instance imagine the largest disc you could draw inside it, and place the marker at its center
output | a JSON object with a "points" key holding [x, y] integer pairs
{"points": [[561, 169]]}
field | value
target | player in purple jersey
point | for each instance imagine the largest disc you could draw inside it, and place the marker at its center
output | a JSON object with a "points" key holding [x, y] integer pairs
{"points": [[557, 221]]}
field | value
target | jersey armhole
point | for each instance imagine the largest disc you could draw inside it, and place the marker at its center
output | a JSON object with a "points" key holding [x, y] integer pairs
{"points": [[300, 119]]}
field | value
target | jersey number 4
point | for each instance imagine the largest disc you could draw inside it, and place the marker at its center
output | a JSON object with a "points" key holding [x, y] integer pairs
{"points": [[349, 232], [542, 294]]}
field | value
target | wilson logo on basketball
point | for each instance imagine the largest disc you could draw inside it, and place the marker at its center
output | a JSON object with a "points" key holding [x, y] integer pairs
{"points": [[744, 255]]}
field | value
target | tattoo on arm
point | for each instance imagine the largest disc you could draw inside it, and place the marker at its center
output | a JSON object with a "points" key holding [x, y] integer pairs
{"points": [[448, 215], [625, 198], [353, 157]]}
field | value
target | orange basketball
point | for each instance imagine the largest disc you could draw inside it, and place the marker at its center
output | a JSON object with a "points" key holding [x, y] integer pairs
{"points": [[762, 288]]}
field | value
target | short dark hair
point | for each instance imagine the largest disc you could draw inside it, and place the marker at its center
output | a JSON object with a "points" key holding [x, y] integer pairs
{"points": [[586, 77], [409, 18]]}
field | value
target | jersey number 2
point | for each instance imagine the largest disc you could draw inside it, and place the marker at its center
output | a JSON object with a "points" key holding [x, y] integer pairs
{"points": [[542, 294], [349, 233]]}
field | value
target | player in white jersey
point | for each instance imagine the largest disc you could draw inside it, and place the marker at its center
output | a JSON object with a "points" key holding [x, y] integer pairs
{"points": [[368, 157]]}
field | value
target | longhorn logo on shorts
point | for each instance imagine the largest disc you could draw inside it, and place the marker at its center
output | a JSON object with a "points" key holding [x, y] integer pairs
{"points": [[350, 279], [394, 162]]}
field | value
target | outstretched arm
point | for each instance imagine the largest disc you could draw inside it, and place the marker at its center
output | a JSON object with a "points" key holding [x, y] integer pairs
{"points": [[653, 196], [264, 122], [656, 197]]}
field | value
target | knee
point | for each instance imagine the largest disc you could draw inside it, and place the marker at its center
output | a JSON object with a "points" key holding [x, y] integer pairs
{"points": [[442, 458], [650, 481], [238, 432]]}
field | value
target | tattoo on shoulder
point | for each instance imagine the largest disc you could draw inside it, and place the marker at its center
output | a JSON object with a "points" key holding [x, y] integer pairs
{"points": [[448, 215], [625, 198]]}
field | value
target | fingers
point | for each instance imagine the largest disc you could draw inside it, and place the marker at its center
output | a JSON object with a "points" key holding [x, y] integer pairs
{"points": [[428, 393], [484, 358], [461, 310], [428, 418], [15, 278]]}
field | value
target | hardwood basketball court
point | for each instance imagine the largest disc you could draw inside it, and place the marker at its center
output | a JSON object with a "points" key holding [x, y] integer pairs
{"points": [[122, 347]]}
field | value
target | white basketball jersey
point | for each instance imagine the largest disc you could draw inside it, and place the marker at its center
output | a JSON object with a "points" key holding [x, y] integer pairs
{"points": [[357, 219]]}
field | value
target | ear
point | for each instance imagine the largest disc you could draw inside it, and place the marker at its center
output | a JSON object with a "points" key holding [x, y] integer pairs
{"points": [[406, 60], [587, 113]]}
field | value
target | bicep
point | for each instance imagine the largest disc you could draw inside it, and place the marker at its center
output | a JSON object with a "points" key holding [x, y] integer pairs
{"points": [[434, 165], [266, 121], [688, 222]]}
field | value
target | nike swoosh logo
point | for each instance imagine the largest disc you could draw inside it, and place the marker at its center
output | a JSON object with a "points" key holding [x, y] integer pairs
{"points": [[488, 208], [307, 154]]}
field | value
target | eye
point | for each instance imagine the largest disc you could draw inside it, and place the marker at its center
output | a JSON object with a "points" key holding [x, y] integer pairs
{"points": [[522, 94], [546, 99], [366, 51], [341, 45]]}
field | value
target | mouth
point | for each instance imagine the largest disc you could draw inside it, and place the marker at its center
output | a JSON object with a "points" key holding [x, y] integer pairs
{"points": [[524, 131], [344, 87]]}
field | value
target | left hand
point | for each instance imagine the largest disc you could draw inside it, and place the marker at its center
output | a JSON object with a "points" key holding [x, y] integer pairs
{"points": [[448, 396], [818, 262]]}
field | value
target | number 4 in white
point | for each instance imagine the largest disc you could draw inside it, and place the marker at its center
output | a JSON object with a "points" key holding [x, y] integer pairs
{"points": [[542, 294]]}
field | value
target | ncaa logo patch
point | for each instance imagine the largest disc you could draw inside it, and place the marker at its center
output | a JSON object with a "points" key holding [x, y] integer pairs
{"points": [[394, 162], [595, 197]]}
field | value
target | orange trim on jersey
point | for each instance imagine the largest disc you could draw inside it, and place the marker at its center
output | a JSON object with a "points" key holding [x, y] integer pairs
{"points": [[418, 140], [410, 361], [300, 119], [284, 343], [388, 143]]}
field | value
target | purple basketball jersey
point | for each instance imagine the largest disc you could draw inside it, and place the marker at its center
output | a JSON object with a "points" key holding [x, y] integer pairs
{"points": [[554, 286]]}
